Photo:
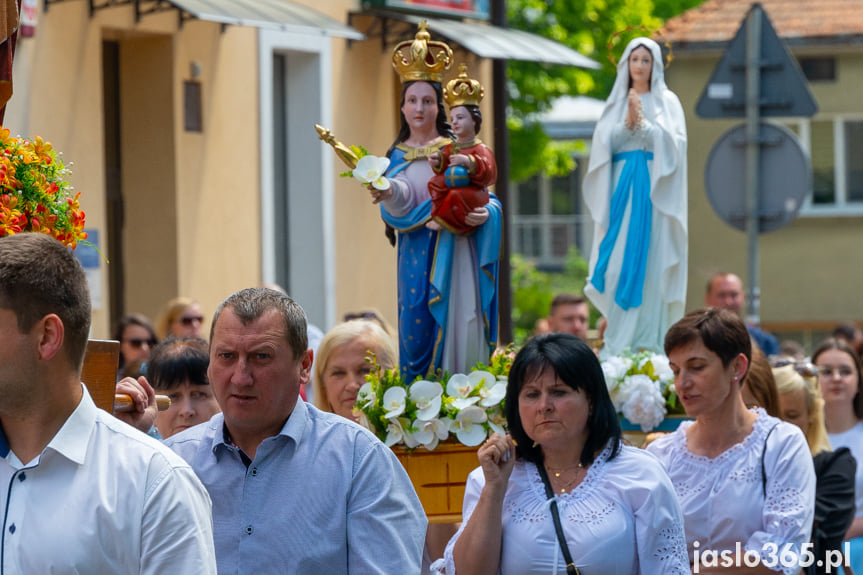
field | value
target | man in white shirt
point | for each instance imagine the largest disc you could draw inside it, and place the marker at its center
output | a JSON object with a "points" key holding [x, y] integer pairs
{"points": [[80, 492]]}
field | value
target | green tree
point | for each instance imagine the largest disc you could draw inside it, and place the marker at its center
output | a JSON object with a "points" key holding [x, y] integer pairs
{"points": [[533, 290], [595, 28]]}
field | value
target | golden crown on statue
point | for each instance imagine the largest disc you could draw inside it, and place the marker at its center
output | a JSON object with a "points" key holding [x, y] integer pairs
{"points": [[422, 59], [463, 90]]}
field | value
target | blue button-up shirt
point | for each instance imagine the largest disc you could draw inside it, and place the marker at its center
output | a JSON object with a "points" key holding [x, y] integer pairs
{"points": [[323, 496]]}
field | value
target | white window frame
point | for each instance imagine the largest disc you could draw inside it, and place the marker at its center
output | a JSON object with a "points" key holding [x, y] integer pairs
{"points": [[841, 207]]}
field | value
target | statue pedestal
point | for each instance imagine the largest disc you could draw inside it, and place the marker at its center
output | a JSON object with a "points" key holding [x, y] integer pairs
{"points": [[439, 477]]}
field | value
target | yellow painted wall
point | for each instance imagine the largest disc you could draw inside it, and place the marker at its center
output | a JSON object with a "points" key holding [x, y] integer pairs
{"points": [[809, 272], [192, 199]]}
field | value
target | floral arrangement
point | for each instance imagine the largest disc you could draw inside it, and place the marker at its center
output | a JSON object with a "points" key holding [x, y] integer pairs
{"points": [[463, 408], [34, 193], [641, 386]]}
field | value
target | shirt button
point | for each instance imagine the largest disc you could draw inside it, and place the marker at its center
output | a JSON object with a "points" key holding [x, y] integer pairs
{"points": [[12, 528], [254, 471], [23, 476], [248, 530]]}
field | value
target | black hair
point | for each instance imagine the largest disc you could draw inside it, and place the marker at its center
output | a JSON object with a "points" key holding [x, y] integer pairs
{"points": [[443, 127], [178, 360], [574, 364]]}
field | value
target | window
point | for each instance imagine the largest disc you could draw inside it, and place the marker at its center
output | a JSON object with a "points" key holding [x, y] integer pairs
{"points": [[835, 146], [819, 69], [549, 218]]}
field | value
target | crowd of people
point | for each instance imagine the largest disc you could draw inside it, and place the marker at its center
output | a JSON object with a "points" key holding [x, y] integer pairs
{"points": [[767, 463]]}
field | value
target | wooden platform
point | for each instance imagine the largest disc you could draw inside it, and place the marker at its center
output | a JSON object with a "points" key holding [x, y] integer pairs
{"points": [[439, 477]]}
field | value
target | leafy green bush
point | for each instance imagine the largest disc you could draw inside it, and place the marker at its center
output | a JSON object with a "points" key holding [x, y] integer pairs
{"points": [[533, 290]]}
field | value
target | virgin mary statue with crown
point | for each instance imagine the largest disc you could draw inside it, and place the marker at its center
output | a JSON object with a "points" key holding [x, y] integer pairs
{"points": [[447, 283]]}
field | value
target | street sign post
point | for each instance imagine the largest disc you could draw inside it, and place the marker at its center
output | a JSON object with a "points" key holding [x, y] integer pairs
{"points": [[756, 76]]}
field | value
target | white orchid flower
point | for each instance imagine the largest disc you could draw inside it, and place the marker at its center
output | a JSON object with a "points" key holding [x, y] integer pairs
{"points": [[468, 425], [494, 395], [394, 401], [395, 432], [427, 396], [398, 431], [365, 396], [460, 387], [371, 170], [497, 420], [429, 433], [481, 377]]}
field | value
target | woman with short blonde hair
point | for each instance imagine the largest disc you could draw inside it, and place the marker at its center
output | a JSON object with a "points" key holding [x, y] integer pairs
{"points": [[341, 363]]}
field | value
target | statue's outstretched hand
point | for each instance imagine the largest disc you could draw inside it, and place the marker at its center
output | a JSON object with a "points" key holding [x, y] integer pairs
{"points": [[379, 196]]}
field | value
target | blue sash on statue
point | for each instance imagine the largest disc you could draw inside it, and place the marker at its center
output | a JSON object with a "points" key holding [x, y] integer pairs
{"points": [[634, 176], [425, 275]]}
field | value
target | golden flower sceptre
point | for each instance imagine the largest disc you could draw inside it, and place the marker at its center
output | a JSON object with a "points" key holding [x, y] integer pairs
{"points": [[342, 151]]}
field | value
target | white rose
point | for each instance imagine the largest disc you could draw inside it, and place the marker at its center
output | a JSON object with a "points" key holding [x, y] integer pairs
{"points": [[643, 403]]}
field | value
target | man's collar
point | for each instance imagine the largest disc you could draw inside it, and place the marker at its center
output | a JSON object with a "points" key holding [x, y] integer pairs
{"points": [[294, 428], [73, 438]]}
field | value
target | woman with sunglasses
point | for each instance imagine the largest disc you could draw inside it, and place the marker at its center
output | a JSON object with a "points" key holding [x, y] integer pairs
{"points": [[839, 376], [137, 339], [181, 317]]}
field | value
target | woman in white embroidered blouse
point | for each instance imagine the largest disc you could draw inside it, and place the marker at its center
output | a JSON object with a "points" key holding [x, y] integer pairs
{"points": [[741, 476], [617, 508]]}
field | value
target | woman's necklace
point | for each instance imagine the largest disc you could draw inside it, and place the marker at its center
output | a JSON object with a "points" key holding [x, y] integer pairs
{"points": [[563, 470]]}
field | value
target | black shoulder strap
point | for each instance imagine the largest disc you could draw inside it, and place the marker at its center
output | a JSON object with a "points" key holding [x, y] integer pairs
{"points": [[763, 451], [571, 569]]}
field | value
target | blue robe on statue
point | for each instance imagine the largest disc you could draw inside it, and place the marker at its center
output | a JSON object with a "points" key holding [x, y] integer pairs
{"points": [[447, 284]]}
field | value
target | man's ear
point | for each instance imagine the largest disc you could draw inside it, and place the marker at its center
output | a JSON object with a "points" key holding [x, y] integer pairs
{"points": [[306, 366], [49, 333]]}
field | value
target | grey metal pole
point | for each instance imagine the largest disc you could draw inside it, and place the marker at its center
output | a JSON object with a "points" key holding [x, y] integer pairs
{"points": [[753, 149]]}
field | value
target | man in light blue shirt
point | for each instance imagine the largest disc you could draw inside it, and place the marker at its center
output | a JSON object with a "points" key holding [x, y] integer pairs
{"points": [[294, 489]]}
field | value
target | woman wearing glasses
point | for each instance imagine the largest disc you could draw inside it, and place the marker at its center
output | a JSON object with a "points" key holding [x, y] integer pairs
{"points": [[137, 339], [839, 375], [181, 317]]}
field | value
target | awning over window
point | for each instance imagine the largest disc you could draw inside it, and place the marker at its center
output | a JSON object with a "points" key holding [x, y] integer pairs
{"points": [[272, 14], [503, 43]]}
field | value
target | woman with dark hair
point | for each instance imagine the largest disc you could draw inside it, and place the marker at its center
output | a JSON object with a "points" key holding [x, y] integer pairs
{"points": [[447, 290], [742, 477], [839, 374], [563, 485], [137, 338], [178, 369]]}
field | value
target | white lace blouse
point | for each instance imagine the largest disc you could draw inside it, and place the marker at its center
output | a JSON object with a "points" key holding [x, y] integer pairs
{"points": [[623, 519], [722, 497]]}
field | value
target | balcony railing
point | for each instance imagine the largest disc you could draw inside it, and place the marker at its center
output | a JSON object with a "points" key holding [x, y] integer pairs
{"points": [[546, 238]]}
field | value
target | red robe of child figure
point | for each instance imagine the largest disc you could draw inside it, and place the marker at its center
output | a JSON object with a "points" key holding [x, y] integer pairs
{"points": [[463, 169]]}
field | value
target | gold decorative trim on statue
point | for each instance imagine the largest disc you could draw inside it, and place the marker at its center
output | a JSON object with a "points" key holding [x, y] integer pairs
{"points": [[422, 59], [463, 90]]}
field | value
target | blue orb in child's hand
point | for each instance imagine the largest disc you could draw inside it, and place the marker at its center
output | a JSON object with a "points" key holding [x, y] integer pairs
{"points": [[456, 177]]}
